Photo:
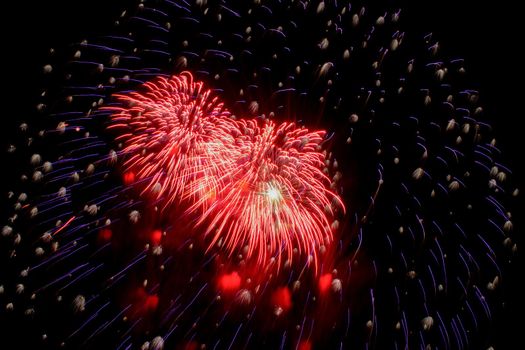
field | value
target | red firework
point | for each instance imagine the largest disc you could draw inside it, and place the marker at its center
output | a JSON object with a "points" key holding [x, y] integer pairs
{"points": [[278, 201], [176, 138], [256, 187]]}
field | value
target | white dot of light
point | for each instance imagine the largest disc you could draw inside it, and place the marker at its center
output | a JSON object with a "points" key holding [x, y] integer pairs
{"points": [[273, 194]]}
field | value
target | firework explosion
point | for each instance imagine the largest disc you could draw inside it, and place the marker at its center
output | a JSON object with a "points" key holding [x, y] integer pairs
{"points": [[256, 174], [262, 185], [175, 139]]}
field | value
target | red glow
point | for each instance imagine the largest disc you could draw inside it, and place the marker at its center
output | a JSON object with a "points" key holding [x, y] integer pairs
{"points": [[282, 298], [325, 281], [151, 302], [192, 345], [105, 234], [143, 301], [156, 236], [305, 345], [129, 178], [229, 283]]}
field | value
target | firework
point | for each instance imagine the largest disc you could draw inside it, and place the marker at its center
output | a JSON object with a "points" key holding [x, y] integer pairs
{"points": [[177, 140], [256, 174], [262, 187], [279, 198]]}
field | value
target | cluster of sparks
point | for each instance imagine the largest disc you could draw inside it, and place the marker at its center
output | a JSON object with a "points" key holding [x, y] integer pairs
{"points": [[255, 186], [157, 209]]}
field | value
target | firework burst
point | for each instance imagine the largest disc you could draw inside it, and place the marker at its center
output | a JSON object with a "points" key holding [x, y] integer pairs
{"points": [[229, 175], [177, 140], [262, 186], [279, 199]]}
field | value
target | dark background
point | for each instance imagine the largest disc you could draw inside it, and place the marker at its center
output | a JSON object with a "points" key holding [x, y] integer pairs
{"points": [[487, 34]]}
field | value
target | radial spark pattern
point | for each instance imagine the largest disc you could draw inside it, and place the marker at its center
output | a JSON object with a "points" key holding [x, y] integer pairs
{"points": [[177, 140], [279, 198], [258, 188], [256, 174]]}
